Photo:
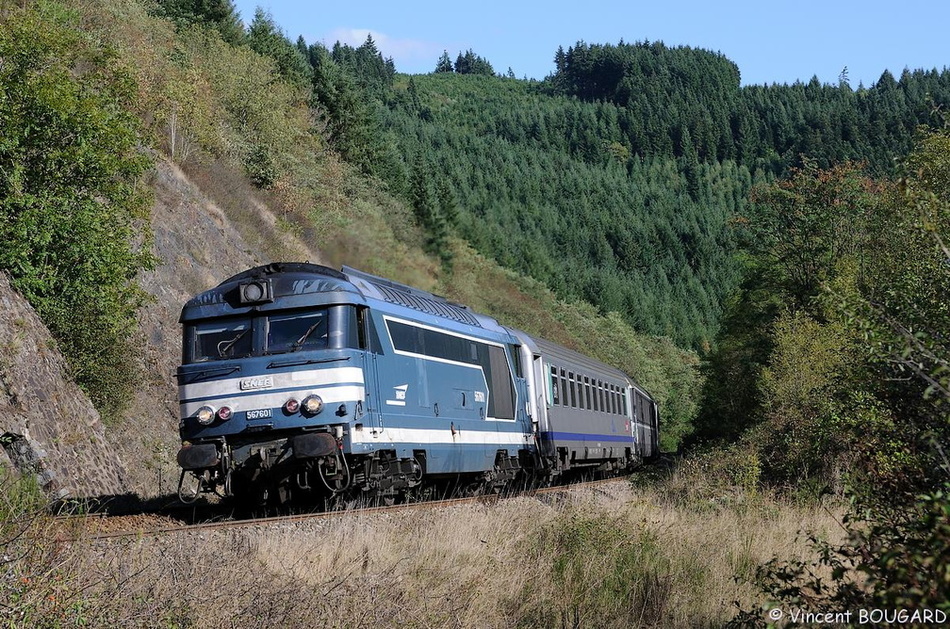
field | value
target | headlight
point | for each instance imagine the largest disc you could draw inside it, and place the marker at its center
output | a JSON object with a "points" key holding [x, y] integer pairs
{"points": [[205, 415], [312, 404]]}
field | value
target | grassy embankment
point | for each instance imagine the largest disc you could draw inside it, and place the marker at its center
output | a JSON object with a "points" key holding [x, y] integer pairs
{"points": [[667, 554]]}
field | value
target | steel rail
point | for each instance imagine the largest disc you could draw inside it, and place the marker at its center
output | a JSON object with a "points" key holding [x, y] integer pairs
{"points": [[488, 499]]}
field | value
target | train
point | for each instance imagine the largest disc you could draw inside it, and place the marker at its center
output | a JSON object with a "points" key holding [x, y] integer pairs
{"points": [[298, 381]]}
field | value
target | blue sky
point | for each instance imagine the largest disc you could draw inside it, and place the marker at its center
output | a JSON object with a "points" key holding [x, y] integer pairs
{"points": [[771, 42]]}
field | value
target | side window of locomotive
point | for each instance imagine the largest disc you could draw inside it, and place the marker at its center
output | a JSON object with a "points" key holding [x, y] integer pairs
{"points": [[221, 340], [491, 358], [368, 337], [297, 331], [349, 334]]}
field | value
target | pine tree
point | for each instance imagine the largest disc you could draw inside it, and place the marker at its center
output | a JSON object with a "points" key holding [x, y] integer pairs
{"points": [[220, 15], [266, 38], [426, 207], [444, 64]]}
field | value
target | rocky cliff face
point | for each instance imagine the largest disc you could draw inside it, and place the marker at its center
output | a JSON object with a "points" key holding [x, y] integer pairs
{"points": [[49, 427]]}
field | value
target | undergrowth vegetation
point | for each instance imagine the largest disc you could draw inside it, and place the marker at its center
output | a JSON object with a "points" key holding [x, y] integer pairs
{"points": [[848, 289]]}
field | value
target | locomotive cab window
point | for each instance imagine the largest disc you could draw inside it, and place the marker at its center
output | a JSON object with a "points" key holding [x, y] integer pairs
{"points": [[297, 331], [220, 340]]}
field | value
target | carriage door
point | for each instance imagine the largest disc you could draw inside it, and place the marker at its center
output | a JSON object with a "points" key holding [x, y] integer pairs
{"points": [[523, 413], [644, 439]]}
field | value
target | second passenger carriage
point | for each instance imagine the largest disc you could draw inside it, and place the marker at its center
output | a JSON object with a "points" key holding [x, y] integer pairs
{"points": [[299, 378]]}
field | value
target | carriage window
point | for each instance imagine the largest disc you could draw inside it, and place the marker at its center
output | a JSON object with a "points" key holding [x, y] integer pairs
{"points": [[572, 387], [554, 387], [564, 397], [220, 340], [297, 331]]}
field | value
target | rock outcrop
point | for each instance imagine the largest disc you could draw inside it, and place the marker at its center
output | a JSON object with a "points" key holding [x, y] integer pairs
{"points": [[48, 427]]}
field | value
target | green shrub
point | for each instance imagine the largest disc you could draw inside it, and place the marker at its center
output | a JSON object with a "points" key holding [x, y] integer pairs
{"points": [[72, 200], [603, 572], [892, 563]]}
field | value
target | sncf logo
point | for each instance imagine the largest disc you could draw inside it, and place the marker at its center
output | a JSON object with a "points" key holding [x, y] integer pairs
{"points": [[400, 391]]}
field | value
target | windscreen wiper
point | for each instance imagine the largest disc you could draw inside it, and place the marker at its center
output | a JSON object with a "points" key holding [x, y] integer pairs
{"points": [[306, 334], [229, 344], [306, 361], [219, 371]]}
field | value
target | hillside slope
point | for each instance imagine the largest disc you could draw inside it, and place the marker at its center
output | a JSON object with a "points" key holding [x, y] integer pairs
{"points": [[208, 128], [52, 429]]}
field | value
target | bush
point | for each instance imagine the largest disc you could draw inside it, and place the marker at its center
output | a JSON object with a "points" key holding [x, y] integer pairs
{"points": [[887, 563], [602, 572], [72, 200]]}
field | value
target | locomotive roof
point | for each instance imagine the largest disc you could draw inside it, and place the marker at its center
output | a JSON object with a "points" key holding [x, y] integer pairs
{"points": [[299, 284], [296, 284], [417, 299]]}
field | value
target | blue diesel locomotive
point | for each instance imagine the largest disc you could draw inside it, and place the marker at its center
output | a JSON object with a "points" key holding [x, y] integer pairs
{"points": [[297, 378]]}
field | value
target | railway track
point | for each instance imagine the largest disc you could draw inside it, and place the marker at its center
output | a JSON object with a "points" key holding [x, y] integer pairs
{"points": [[101, 526]]}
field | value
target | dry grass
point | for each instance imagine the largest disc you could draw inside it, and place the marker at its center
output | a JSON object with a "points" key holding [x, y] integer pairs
{"points": [[616, 557]]}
